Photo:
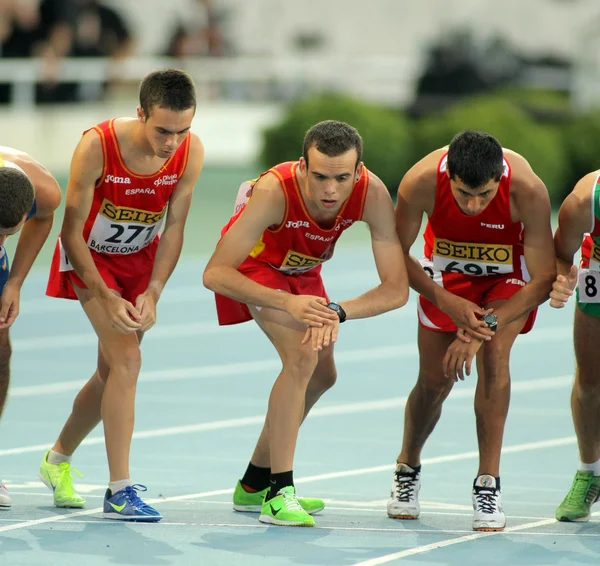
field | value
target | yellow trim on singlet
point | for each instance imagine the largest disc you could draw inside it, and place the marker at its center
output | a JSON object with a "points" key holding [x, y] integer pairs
{"points": [[258, 248]]}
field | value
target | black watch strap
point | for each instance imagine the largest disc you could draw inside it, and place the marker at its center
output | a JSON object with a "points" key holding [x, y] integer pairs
{"points": [[338, 310]]}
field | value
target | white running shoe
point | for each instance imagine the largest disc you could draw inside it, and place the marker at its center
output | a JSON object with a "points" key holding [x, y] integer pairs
{"points": [[404, 499], [5, 500], [487, 504]]}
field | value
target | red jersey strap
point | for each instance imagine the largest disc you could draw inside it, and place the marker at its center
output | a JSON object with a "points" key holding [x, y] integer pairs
{"points": [[353, 207], [111, 153]]}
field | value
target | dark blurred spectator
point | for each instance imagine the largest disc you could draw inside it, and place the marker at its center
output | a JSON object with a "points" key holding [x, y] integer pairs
{"points": [[459, 66], [20, 32], [19, 28], [198, 35], [99, 31], [94, 30]]}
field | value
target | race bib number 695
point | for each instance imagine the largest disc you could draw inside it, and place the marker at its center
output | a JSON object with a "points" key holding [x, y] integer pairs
{"points": [[471, 258]]}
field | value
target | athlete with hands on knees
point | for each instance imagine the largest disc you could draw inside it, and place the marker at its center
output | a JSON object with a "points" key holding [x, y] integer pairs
{"points": [[128, 176], [267, 268], [29, 195], [579, 226], [488, 263]]}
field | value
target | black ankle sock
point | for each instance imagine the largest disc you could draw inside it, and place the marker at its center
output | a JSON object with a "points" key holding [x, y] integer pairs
{"points": [[280, 480], [256, 478]]}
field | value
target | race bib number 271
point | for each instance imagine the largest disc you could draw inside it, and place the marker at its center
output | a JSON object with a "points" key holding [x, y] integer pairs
{"points": [[122, 230]]}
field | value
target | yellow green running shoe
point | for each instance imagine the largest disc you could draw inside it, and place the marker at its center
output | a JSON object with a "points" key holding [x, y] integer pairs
{"points": [[285, 510], [251, 502], [584, 492], [59, 478]]}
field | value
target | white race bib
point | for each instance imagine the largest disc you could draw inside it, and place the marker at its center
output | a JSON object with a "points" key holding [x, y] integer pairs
{"points": [[472, 258], [588, 282], [65, 264], [243, 195], [123, 230]]}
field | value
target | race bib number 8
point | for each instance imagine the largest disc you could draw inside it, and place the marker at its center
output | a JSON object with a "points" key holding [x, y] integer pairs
{"points": [[471, 258], [589, 286], [122, 230]]}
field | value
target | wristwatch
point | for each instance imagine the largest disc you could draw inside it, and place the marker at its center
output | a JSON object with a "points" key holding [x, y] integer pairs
{"points": [[491, 320], [338, 310]]}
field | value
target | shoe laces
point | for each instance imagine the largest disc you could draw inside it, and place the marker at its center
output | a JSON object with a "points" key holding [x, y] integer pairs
{"points": [[487, 500], [581, 490], [132, 497], [405, 484], [66, 473], [290, 500]]}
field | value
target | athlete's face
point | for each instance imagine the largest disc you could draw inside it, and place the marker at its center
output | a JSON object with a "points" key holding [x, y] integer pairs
{"points": [[6, 232], [166, 129], [473, 201], [329, 180]]}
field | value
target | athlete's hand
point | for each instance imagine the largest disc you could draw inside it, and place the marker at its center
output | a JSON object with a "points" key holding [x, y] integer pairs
{"points": [[310, 310], [146, 306], [466, 315], [323, 336], [562, 288], [9, 304], [459, 357], [124, 317]]}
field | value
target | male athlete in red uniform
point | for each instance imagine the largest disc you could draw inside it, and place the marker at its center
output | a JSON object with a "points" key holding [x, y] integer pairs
{"points": [[267, 267], [489, 262], [124, 173], [29, 195]]}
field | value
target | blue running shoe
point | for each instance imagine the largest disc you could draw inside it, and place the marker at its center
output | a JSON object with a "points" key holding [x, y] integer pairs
{"points": [[126, 505]]}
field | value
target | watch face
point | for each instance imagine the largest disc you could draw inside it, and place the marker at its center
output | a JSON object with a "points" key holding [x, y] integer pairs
{"points": [[490, 319]]}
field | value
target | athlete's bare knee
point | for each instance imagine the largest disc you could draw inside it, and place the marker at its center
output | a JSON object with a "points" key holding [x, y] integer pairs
{"points": [[495, 365], [5, 355], [127, 362], [588, 383], [324, 378], [433, 386], [301, 363]]}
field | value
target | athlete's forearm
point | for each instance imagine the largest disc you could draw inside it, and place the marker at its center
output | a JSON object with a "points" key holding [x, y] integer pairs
{"points": [[421, 282], [167, 256], [32, 238], [80, 257], [533, 294], [388, 296], [231, 283], [563, 267]]}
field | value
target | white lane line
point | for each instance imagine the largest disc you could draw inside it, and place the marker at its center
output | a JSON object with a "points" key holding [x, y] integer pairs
{"points": [[159, 332], [380, 353], [345, 473], [515, 530], [222, 370], [327, 411], [337, 528]]}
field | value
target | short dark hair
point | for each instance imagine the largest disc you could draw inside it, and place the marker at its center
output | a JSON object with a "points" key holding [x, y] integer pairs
{"points": [[168, 88], [475, 158], [16, 196], [333, 138]]}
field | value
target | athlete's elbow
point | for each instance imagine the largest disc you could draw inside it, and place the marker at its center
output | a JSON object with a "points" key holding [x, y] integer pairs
{"points": [[402, 295], [398, 294], [210, 279]]}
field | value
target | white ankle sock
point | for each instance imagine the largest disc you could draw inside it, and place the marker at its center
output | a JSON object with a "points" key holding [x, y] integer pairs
{"points": [[118, 485], [58, 458], [593, 467]]}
